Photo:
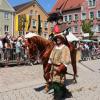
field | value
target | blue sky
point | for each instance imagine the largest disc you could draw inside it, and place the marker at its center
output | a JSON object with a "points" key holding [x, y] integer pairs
{"points": [[46, 4]]}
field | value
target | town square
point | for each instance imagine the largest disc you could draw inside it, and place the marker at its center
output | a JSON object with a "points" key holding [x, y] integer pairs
{"points": [[49, 50]]}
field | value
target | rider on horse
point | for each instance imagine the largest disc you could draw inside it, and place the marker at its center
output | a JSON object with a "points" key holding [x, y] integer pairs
{"points": [[59, 28]]}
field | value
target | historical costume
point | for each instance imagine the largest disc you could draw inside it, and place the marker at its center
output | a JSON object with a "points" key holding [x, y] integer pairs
{"points": [[59, 58], [58, 61], [59, 28]]}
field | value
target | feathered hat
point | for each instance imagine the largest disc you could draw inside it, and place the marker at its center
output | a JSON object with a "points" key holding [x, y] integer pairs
{"points": [[54, 17]]}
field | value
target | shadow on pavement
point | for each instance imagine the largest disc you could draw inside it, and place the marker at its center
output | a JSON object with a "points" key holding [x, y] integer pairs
{"points": [[38, 89]]}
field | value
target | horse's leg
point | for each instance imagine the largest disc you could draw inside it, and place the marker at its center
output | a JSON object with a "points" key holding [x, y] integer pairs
{"points": [[46, 77], [73, 62]]}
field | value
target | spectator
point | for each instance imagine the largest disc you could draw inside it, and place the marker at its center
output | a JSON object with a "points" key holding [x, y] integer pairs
{"points": [[7, 51], [18, 49], [1, 49]]}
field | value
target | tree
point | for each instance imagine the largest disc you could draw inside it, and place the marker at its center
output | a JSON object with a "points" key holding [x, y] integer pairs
{"points": [[86, 27], [39, 25], [21, 23]]}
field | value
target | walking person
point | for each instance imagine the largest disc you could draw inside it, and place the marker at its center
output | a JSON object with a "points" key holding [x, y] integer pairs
{"points": [[58, 61]]}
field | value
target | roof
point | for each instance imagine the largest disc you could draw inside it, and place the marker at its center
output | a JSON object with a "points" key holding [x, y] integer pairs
{"points": [[65, 5], [5, 6], [21, 7], [58, 5]]}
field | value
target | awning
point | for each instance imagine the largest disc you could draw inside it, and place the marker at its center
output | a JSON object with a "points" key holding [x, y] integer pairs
{"points": [[87, 40]]}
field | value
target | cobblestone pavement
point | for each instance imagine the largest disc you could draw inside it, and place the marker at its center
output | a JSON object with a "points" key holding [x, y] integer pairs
{"points": [[21, 82]]}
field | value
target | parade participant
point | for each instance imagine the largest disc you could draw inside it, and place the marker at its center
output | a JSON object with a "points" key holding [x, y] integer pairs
{"points": [[59, 28], [58, 61]]}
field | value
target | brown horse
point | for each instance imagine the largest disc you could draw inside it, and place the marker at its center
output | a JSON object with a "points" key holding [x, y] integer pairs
{"points": [[45, 47]]}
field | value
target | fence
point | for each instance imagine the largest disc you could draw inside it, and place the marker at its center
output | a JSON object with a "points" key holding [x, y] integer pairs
{"points": [[9, 56], [90, 54]]}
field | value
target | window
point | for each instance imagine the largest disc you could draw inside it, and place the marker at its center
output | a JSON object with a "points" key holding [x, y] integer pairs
{"points": [[65, 18], [34, 23], [76, 28], [91, 3], [35, 13], [45, 24], [91, 15], [6, 15], [76, 17], [99, 28], [31, 12], [83, 16], [6, 28], [70, 17], [98, 14]]}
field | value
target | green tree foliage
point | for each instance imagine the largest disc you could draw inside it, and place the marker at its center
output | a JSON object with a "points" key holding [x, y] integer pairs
{"points": [[86, 27], [21, 22], [39, 25]]}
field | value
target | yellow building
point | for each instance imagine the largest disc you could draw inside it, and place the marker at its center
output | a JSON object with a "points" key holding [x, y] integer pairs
{"points": [[27, 18]]}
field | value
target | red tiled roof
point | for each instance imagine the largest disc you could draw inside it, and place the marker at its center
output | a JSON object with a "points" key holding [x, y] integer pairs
{"points": [[73, 4], [58, 5], [65, 5]]}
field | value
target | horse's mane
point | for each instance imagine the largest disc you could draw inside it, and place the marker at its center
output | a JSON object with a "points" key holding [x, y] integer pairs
{"points": [[40, 42]]}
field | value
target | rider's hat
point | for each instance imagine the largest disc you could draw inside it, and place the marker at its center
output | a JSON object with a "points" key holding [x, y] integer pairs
{"points": [[55, 17]]}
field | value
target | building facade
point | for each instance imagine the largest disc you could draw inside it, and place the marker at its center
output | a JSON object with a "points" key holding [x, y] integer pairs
{"points": [[6, 17], [34, 15], [75, 11]]}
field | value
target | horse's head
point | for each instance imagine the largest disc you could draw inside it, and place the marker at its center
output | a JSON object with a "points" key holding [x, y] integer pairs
{"points": [[32, 49]]}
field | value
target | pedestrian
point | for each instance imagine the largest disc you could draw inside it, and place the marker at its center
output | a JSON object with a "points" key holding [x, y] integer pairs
{"points": [[18, 50], [58, 61], [1, 50], [7, 51]]}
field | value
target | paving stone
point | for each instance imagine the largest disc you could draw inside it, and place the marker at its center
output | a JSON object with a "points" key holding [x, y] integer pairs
{"points": [[19, 83]]}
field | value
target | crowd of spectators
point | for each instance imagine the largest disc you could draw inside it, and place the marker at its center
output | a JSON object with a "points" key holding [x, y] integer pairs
{"points": [[11, 48], [89, 50]]}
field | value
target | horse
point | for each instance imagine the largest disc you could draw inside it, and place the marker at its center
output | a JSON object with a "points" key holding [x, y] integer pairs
{"points": [[45, 47]]}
